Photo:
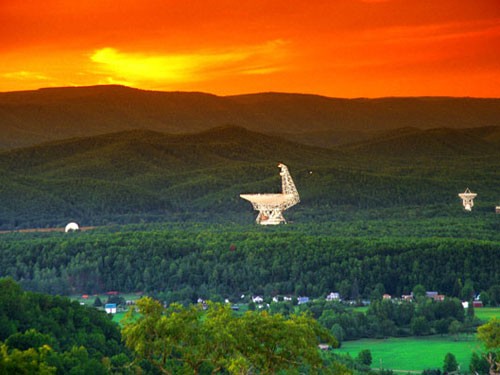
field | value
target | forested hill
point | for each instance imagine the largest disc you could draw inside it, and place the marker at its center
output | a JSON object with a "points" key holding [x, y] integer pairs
{"points": [[31, 117], [141, 175], [430, 143]]}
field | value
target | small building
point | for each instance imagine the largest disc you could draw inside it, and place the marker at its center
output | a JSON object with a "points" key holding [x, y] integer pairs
{"points": [[110, 308], [477, 303], [287, 298], [435, 296], [431, 294], [324, 347], [407, 297], [497, 209], [333, 296], [465, 304], [302, 300], [386, 296], [257, 299]]}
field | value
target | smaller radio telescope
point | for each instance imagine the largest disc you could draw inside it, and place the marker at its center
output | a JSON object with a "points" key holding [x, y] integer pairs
{"points": [[271, 206], [467, 199], [72, 227]]}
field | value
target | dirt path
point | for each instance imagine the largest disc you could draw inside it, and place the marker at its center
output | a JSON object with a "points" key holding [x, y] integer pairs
{"points": [[32, 230]]}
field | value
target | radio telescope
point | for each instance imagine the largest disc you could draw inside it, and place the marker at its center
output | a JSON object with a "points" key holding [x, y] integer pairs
{"points": [[71, 227], [271, 206], [468, 199]]}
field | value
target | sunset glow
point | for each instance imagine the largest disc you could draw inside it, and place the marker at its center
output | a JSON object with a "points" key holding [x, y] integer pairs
{"points": [[342, 48]]}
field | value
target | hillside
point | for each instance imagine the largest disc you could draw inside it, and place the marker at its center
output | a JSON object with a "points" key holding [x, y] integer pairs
{"points": [[431, 143], [145, 175], [31, 117]]}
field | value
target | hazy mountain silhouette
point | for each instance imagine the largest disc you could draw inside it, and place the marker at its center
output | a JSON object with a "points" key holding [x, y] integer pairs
{"points": [[32, 117]]}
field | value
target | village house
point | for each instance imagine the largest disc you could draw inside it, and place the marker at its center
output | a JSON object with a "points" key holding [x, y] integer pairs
{"points": [[333, 296], [302, 300], [407, 297], [257, 299], [110, 308]]}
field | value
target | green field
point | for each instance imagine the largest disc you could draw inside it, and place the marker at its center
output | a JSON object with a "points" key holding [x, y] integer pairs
{"points": [[487, 313], [413, 354], [118, 317]]}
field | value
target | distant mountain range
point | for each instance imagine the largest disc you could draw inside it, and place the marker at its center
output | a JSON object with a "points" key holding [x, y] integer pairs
{"points": [[148, 175], [31, 117]]}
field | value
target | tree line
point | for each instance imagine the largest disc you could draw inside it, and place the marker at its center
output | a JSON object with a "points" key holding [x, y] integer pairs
{"points": [[216, 263]]}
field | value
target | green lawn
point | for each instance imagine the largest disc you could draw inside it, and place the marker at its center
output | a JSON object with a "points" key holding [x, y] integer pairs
{"points": [[413, 354], [118, 317], [486, 313]]}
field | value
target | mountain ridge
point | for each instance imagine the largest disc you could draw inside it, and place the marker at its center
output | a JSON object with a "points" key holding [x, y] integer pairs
{"points": [[31, 117]]}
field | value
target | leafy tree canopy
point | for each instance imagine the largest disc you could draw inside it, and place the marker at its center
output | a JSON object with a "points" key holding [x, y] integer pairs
{"points": [[195, 340]]}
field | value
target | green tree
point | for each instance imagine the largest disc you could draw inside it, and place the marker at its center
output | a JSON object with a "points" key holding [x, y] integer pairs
{"points": [[489, 335], [485, 298], [365, 357], [30, 339], [30, 361], [467, 292], [338, 332], [420, 326], [494, 293], [450, 363], [188, 339], [478, 364], [455, 328], [418, 290]]}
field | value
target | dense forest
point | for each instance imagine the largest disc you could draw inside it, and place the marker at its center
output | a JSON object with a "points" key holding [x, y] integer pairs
{"points": [[187, 261], [43, 334], [144, 176]]}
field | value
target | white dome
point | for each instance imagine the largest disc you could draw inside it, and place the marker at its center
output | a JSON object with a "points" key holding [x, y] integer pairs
{"points": [[71, 227]]}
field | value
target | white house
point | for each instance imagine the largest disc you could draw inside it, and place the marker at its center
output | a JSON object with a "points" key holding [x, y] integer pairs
{"points": [[333, 296], [257, 299], [110, 308], [303, 300]]}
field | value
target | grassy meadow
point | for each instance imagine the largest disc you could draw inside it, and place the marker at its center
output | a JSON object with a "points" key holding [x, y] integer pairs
{"points": [[414, 353], [487, 313]]}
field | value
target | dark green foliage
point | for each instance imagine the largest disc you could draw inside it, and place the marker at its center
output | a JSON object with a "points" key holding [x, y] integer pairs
{"points": [[55, 332], [196, 260], [450, 363], [432, 372], [140, 176], [187, 340], [479, 364], [365, 357]]}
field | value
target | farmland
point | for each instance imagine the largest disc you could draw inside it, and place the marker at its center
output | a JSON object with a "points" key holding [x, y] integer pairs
{"points": [[413, 353]]}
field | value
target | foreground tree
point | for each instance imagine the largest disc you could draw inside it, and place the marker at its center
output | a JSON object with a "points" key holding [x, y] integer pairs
{"points": [[489, 334], [450, 363], [365, 357], [192, 340], [29, 361]]}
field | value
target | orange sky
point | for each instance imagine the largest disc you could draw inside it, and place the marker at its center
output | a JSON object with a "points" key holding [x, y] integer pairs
{"points": [[340, 48]]}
